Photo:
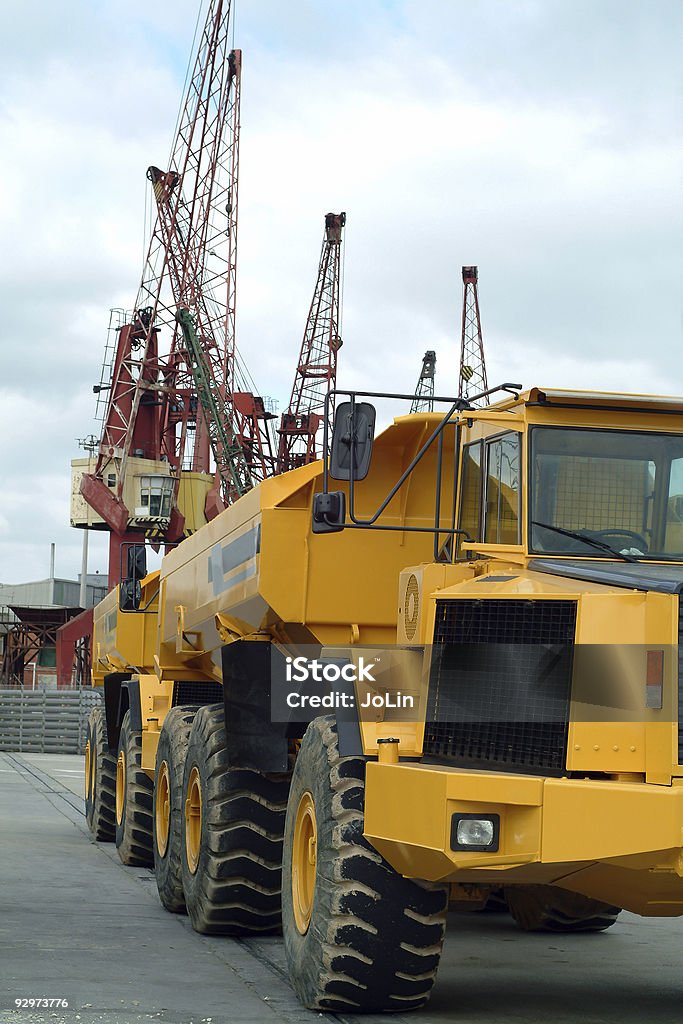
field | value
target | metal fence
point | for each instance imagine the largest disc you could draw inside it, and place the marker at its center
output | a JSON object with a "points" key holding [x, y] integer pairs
{"points": [[45, 721]]}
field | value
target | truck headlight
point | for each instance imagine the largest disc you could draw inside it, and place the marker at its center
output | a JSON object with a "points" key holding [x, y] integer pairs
{"points": [[475, 832]]}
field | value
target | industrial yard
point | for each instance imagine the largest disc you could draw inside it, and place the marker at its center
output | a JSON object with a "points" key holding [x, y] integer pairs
{"points": [[69, 907], [354, 691]]}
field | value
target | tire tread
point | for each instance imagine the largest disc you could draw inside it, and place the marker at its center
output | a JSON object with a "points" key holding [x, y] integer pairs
{"points": [[547, 908], [173, 744], [237, 887], [134, 839], [375, 938], [100, 804]]}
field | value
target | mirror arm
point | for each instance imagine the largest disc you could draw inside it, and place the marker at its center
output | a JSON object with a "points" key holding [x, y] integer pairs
{"points": [[437, 498], [326, 440], [457, 405], [352, 467]]}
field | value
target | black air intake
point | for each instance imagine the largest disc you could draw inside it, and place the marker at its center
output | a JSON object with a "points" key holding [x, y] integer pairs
{"points": [[500, 684], [197, 693]]}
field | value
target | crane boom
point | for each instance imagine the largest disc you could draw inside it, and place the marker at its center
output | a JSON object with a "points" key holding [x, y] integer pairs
{"points": [[202, 263], [472, 363], [231, 465], [204, 148], [424, 392], [316, 372], [154, 409]]}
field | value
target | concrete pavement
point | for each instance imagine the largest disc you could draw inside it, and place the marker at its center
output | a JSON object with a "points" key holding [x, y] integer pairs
{"points": [[75, 924]]}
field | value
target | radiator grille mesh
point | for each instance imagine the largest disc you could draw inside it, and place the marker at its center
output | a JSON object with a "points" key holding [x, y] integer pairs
{"points": [[197, 693], [500, 683]]}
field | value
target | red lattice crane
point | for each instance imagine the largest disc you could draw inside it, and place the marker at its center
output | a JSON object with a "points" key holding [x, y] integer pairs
{"points": [[472, 363], [157, 432], [316, 373]]}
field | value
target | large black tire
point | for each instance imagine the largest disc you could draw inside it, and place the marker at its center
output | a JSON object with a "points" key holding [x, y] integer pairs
{"points": [[545, 908], [374, 938], [496, 903], [168, 788], [134, 790], [472, 898], [100, 779], [232, 886]]}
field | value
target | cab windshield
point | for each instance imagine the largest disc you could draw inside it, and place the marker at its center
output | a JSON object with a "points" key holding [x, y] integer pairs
{"points": [[621, 489]]}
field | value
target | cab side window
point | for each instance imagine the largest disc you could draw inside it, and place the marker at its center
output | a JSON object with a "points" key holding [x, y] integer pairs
{"points": [[491, 491], [470, 501], [502, 490]]}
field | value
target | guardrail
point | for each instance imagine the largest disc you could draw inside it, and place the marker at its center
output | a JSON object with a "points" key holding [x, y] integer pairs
{"points": [[46, 721]]}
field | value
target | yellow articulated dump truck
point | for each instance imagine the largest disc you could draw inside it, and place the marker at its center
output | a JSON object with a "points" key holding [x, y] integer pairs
{"points": [[438, 666]]}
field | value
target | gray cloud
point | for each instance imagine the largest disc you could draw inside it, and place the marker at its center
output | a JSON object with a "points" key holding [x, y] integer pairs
{"points": [[541, 140]]}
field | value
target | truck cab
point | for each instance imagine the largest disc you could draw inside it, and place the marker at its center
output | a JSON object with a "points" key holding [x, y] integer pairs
{"points": [[549, 621]]}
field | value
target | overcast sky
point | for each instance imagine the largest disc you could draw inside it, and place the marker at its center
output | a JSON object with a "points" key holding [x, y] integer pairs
{"points": [[538, 139]]}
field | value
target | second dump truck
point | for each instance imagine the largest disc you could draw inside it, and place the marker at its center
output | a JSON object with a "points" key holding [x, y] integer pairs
{"points": [[442, 664]]}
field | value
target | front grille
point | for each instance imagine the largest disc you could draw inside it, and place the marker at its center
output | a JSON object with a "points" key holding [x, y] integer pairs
{"points": [[500, 684], [197, 693]]}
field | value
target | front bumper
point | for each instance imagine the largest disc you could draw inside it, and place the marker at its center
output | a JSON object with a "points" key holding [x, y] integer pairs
{"points": [[580, 833]]}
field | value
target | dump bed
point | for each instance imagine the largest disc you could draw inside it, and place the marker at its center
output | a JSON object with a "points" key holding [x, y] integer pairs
{"points": [[258, 565]]}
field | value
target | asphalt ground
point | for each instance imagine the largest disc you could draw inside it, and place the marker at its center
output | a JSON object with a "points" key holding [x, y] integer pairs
{"points": [[76, 924]]}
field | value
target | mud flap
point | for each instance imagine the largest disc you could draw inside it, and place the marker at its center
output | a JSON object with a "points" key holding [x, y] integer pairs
{"points": [[253, 740]]}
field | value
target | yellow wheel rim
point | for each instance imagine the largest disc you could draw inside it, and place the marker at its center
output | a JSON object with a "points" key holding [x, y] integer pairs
{"points": [[193, 820], [163, 808], [88, 769], [304, 861], [120, 786]]}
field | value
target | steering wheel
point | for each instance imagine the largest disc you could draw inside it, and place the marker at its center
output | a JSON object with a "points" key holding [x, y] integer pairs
{"points": [[629, 534]]}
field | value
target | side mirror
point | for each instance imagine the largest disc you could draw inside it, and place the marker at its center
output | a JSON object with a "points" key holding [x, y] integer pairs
{"points": [[130, 595], [136, 562], [352, 423], [130, 591]]}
